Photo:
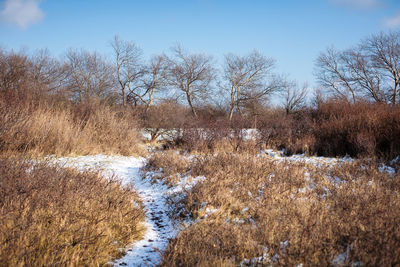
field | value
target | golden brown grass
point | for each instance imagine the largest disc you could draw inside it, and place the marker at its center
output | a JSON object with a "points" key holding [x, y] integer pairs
{"points": [[52, 216], [83, 129], [292, 213], [171, 164]]}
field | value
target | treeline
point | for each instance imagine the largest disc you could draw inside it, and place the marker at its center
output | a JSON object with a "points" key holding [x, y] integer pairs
{"points": [[354, 112], [126, 78]]}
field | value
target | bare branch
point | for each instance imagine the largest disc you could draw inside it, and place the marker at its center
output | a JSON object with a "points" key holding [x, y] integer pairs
{"points": [[129, 68], [191, 74], [248, 78]]}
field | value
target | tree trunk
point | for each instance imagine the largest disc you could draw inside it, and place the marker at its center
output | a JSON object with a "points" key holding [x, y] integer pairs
{"points": [[189, 99], [150, 100], [233, 102], [123, 97], [231, 112]]}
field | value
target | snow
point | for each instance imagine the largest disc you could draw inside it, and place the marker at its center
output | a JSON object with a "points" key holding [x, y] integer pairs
{"points": [[170, 134], [389, 170], [313, 160], [160, 228], [155, 194]]}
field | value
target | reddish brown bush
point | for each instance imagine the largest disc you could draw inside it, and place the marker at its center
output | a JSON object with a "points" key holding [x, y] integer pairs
{"points": [[362, 129], [291, 132]]}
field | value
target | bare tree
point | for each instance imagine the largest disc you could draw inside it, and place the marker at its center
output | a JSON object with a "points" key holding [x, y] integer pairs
{"points": [[48, 72], [248, 78], [129, 68], [155, 79], [255, 109], [14, 71], [89, 75], [164, 119], [295, 97], [332, 74], [365, 78], [370, 70], [35, 74], [318, 98], [384, 51], [191, 74]]}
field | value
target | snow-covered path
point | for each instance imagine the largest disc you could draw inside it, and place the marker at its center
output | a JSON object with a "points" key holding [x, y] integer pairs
{"points": [[160, 229]]}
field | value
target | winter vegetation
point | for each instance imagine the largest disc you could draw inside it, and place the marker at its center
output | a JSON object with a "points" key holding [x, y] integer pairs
{"points": [[181, 160]]}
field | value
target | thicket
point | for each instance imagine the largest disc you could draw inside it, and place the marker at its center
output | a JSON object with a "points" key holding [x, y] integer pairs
{"points": [[66, 129], [284, 213], [86, 103], [333, 128], [53, 216]]}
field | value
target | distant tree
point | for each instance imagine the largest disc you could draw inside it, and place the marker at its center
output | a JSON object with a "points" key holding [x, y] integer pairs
{"points": [[332, 73], [15, 74], [154, 80], [295, 97], [33, 75], [89, 76], [191, 75], [383, 50], [164, 118], [318, 98], [255, 108], [129, 69], [48, 73], [370, 70], [248, 78]]}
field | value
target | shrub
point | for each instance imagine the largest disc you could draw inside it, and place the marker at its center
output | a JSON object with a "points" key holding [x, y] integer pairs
{"points": [[171, 163], [53, 216], [361, 129], [291, 132], [288, 214], [87, 128]]}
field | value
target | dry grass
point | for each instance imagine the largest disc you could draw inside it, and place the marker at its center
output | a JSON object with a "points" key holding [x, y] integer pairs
{"points": [[84, 129], [51, 216], [170, 163], [292, 213]]}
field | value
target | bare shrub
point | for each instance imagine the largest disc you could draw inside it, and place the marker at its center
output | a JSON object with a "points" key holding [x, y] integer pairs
{"points": [[54, 216], [88, 128], [220, 135], [171, 163], [293, 132], [216, 242], [203, 137], [361, 129], [164, 119], [288, 214]]}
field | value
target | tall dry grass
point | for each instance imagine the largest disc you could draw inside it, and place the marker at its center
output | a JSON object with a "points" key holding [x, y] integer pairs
{"points": [[287, 214], [87, 128], [361, 129], [52, 216]]}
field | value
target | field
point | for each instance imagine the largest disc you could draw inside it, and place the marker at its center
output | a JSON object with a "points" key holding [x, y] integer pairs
{"points": [[176, 162]]}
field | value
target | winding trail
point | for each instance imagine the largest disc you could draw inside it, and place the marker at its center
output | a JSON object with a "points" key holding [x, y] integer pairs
{"points": [[160, 228]]}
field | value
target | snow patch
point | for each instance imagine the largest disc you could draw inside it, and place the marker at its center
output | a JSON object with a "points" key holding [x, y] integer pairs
{"points": [[160, 228]]}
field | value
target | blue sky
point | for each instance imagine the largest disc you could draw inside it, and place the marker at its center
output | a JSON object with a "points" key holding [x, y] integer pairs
{"points": [[293, 32]]}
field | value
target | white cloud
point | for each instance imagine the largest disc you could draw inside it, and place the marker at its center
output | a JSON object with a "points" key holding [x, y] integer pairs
{"points": [[21, 12], [358, 4], [393, 22]]}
